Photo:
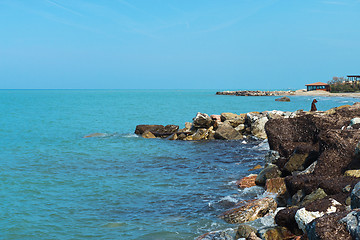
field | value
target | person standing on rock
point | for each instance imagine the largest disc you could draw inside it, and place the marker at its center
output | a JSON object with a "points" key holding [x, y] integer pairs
{"points": [[313, 106]]}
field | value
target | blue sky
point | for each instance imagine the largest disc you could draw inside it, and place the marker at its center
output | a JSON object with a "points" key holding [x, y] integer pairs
{"points": [[176, 44]]}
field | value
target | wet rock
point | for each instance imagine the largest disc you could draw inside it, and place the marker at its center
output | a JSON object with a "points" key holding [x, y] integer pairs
{"points": [[202, 120], [247, 182], [157, 130], [227, 132], [352, 173], [283, 99], [352, 221], [355, 196], [271, 171], [276, 233], [271, 157], [244, 231], [278, 186], [296, 162], [315, 210], [258, 128], [148, 134], [140, 129], [328, 227], [255, 168], [227, 234], [246, 211]]}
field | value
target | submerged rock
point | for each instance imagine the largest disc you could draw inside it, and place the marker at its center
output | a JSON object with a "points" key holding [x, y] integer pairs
{"points": [[96, 135], [283, 99], [157, 130]]}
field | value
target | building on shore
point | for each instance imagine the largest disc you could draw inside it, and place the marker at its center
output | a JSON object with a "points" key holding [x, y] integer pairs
{"points": [[353, 78], [318, 86]]}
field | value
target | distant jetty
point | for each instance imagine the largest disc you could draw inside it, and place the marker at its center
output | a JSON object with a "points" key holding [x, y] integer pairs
{"points": [[255, 93]]}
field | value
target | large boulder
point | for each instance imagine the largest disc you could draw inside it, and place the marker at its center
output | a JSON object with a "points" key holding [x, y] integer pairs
{"points": [[157, 130], [202, 120], [246, 211], [355, 196], [296, 162], [140, 129], [227, 132], [352, 222], [328, 227], [315, 210]]}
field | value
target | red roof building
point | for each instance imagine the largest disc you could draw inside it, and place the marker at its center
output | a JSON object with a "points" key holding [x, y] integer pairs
{"points": [[318, 86]]}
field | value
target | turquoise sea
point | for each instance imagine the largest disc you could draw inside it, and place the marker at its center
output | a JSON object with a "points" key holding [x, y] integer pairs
{"points": [[55, 184]]}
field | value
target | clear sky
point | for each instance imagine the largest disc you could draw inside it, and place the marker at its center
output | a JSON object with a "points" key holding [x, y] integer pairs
{"points": [[176, 44]]}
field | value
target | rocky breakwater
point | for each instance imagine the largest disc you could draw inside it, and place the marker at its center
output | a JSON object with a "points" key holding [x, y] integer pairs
{"points": [[227, 126], [313, 167], [255, 93]]}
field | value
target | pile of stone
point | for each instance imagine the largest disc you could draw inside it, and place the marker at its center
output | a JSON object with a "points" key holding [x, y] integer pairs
{"points": [[313, 167], [255, 93], [227, 126]]}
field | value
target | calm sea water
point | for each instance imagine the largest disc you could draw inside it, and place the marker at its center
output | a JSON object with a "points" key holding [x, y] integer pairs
{"points": [[55, 184]]}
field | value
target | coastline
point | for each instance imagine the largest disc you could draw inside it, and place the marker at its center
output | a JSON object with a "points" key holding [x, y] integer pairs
{"points": [[300, 92], [311, 172]]}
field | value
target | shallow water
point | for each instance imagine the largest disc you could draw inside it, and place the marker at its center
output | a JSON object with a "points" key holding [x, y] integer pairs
{"points": [[55, 184]]}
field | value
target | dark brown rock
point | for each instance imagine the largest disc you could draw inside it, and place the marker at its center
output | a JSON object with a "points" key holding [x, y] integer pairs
{"points": [[271, 171], [202, 120], [283, 99], [286, 218], [328, 227], [157, 130]]}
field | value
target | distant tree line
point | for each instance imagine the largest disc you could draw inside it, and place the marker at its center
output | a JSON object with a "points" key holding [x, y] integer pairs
{"points": [[341, 84]]}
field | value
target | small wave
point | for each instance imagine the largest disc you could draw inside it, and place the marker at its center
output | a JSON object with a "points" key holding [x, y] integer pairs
{"points": [[244, 142], [228, 199], [130, 135], [262, 146]]}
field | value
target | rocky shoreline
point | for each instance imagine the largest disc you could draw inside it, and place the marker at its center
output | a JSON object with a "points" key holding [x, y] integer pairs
{"points": [[311, 172], [255, 93]]}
